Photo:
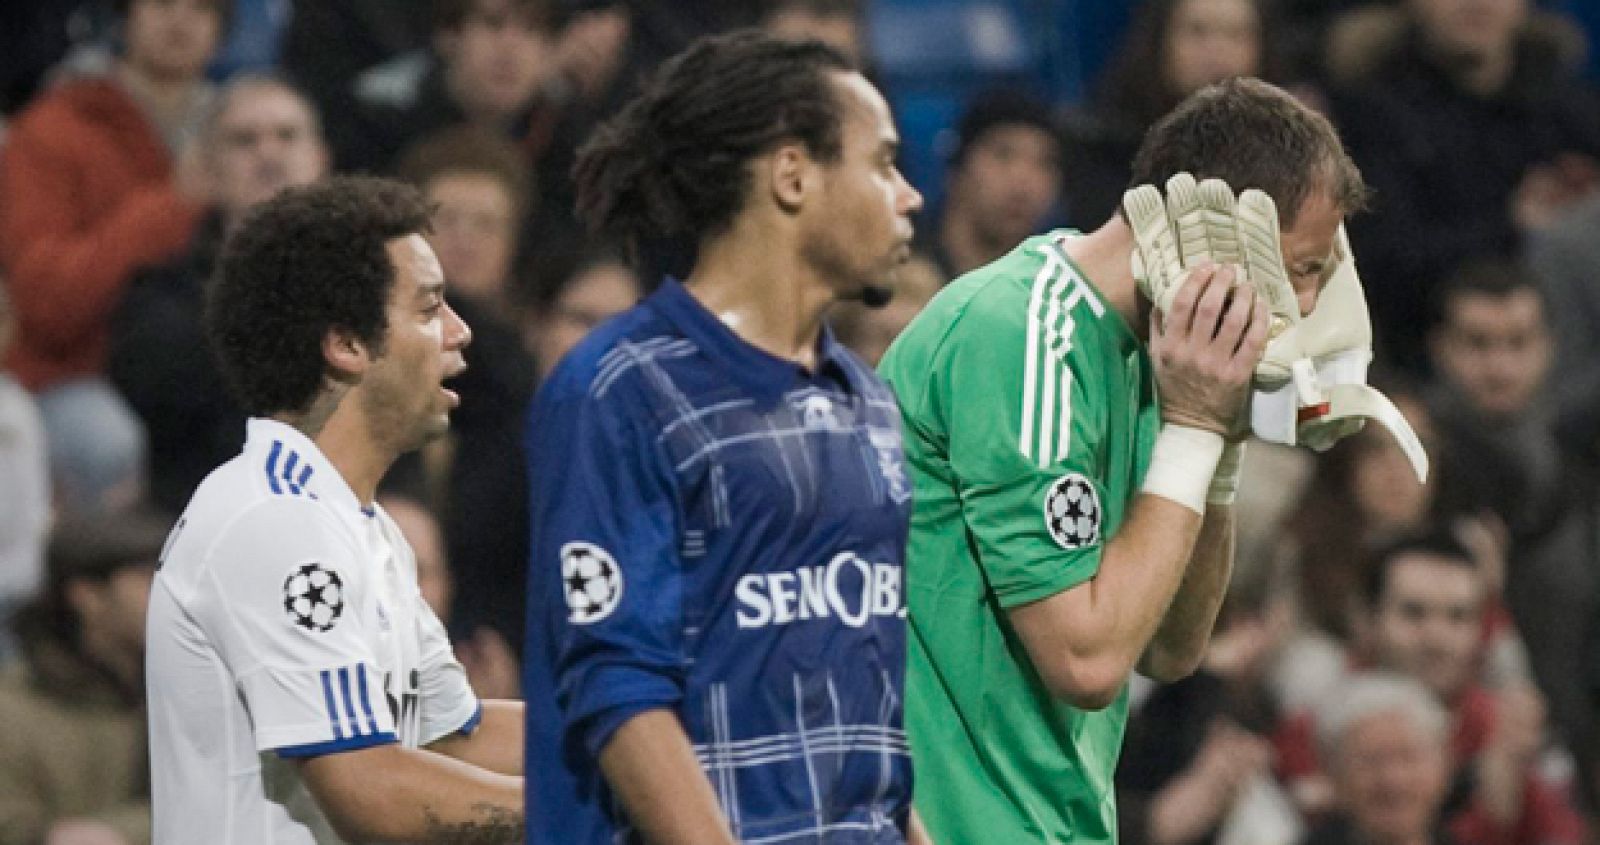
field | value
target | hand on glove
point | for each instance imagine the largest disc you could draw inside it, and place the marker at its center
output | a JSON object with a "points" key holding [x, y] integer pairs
{"points": [[1310, 387]]}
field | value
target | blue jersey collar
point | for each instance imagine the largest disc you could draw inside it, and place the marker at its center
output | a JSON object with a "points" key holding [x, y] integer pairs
{"points": [[764, 375]]}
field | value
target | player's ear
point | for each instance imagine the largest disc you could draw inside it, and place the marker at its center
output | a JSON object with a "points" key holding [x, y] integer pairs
{"points": [[346, 354], [790, 173]]}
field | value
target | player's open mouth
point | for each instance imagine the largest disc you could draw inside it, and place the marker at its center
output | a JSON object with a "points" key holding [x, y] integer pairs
{"points": [[450, 395]]}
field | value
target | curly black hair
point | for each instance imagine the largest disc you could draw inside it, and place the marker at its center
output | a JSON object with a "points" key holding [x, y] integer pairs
{"points": [[307, 261], [673, 162]]}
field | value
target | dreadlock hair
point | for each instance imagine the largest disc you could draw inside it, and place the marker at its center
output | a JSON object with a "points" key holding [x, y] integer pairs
{"points": [[674, 162]]}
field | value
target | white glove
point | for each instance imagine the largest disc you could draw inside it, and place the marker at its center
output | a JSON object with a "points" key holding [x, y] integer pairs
{"points": [[1310, 387], [1203, 222]]}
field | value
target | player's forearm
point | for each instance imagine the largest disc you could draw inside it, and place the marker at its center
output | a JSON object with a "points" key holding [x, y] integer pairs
{"points": [[1085, 641], [1140, 573], [496, 745], [650, 764], [393, 794], [916, 833], [1180, 641]]}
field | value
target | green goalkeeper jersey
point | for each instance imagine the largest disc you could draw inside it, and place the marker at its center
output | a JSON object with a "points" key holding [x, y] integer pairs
{"points": [[1030, 415]]}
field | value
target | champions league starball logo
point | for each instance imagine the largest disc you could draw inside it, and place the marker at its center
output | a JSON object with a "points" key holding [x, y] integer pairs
{"points": [[591, 580], [313, 596], [1072, 512]]}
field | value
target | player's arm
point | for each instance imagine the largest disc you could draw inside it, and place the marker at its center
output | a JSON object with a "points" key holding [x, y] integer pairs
{"points": [[1180, 642], [388, 793], [495, 743], [651, 766], [1085, 640], [916, 833], [487, 734], [282, 614], [605, 526]]}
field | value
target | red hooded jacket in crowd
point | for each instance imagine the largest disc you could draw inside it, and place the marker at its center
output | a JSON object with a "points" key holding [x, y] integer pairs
{"points": [[86, 197]]}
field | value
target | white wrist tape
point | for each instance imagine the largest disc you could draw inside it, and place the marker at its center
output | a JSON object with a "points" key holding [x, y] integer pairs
{"points": [[1225, 481], [1182, 464]]}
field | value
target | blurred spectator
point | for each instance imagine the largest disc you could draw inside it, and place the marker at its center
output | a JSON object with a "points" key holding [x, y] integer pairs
{"points": [[91, 192], [573, 292], [262, 136], [73, 759], [1004, 178], [834, 22], [1362, 495], [491, 665], [593, 50], [1172, 49], [1196, 765], [1566, 259], [479, 186], [496, 65], [1386, 742], [869, 331], [1427, 602], [1467, 118], [26, 516], [658, 30], [1499, 453], [482, 189], [331, 42]]}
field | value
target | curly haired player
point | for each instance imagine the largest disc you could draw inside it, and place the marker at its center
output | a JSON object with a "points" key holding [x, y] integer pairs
{"points": [[300, 689]]}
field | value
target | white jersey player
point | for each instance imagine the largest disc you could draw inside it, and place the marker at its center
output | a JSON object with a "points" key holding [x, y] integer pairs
{"points": [[285, 622], [300, 690]]}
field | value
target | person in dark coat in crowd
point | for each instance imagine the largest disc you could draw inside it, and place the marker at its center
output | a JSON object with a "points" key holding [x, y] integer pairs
{"points": [[1473, 130], [262, 136]]}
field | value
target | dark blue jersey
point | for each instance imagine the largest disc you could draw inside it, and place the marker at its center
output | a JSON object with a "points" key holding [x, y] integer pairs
{"points": [[718, 532]]}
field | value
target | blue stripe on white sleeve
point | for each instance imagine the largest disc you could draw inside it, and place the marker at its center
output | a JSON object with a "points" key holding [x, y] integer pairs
{"points": [[317, 749], [333, 711], [366, 701], [288, 472], [349, 705], [471, 724], [272, 466]]}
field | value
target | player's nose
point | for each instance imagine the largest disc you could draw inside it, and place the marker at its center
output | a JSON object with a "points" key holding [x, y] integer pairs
{"points": [[457, 334]]}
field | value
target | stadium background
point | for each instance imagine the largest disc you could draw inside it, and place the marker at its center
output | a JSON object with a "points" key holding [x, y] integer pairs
{"points": [[1481, 257]]}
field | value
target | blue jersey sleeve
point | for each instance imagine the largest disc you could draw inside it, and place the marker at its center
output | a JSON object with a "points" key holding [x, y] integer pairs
{"points": [[605, 566]]}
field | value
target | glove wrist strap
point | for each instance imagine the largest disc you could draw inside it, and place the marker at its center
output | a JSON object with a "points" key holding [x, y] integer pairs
{"points": [[1225, 481], [1182, 465]]}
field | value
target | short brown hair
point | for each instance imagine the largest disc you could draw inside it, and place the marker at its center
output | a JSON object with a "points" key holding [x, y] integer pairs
{"points": [[470, 150], [452, 15], [1492, 276], [223, 8], [816, 8], [1252, 134]]}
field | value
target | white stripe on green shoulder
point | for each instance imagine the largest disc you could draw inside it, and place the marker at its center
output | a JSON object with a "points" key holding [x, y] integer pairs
{"points": [[1044, 435]]}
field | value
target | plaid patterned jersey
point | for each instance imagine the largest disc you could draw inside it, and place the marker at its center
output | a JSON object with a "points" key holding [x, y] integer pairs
{"points": [[720, 533]]}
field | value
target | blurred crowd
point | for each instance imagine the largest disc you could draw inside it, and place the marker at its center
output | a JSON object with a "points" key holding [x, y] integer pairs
{"points": [[1394, 663]]}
